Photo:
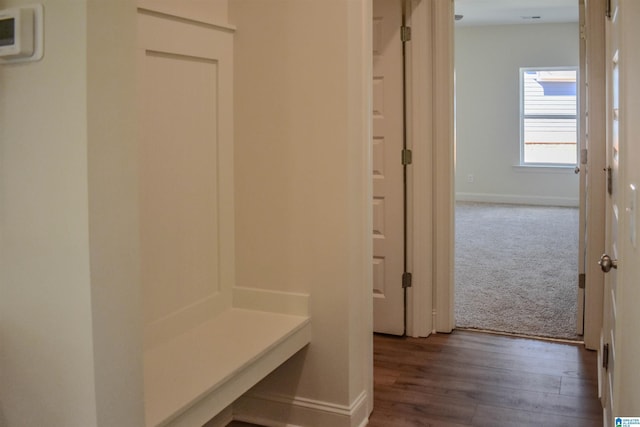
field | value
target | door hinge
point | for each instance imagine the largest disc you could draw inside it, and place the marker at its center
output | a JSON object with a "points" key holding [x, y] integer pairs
{"points": [[405, 34], [605, 356], [583, 156], [608, 9], [582, 280], [407, 156], [609, 172], [406, 279]]}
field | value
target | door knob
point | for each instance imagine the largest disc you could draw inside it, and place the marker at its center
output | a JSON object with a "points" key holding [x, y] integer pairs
{"points": [[606, 263], [576, 170]]}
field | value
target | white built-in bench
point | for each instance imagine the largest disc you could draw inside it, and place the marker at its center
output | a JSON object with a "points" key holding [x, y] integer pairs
{"points": [[194, 376]]}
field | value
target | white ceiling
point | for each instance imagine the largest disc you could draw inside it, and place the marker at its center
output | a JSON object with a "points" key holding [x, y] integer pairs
{"points": [[502, 12]]}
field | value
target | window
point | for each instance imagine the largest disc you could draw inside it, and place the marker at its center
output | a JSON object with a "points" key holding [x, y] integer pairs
{"points": [[548, 122]]}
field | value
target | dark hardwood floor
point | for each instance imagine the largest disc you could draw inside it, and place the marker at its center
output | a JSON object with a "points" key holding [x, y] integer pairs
{"points": [[476, 379]]}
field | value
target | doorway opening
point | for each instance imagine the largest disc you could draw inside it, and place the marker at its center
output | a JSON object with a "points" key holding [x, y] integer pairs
{"points": [[517, 224]]}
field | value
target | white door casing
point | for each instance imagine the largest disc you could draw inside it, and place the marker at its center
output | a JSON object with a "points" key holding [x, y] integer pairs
{"points": [[388, 210], [443, 165], [420, 133], [440, 51], [430, 99]]}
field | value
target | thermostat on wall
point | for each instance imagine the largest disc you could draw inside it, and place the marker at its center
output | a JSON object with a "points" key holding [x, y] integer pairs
{"points": [[21, 34]]}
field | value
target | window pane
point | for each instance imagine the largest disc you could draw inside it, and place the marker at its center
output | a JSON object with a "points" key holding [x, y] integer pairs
{"points": [[549, 116], [550, 153], [550, 141]]}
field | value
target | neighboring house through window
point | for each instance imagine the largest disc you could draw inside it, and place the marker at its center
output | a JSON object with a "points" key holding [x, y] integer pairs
{"points": [[548, 116]]}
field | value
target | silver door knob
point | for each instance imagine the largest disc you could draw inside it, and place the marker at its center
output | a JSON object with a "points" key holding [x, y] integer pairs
{"points": [[606, 263], [576, 170]]}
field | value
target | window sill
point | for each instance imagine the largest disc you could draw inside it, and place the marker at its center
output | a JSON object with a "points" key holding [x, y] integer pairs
{"points": [[560, 169]]}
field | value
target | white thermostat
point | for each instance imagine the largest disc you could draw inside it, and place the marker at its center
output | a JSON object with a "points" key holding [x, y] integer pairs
{"points": [[21, 34]]}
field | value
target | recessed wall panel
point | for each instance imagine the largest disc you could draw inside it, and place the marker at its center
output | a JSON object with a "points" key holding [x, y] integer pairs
{"points": [[178, 182]]}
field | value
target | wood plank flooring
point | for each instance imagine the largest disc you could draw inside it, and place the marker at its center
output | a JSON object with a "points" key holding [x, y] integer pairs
{"points": [[475, 379]]}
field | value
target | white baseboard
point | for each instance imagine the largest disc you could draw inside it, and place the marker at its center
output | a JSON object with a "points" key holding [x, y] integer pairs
{"points": [[518, 199], [283, 411], [295, 304]]}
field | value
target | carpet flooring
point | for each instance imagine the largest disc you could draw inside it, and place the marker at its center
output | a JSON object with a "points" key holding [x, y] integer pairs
{"points": [[516, 269]]}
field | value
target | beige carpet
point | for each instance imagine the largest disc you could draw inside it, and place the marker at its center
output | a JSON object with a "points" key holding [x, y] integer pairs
{"points": [[516, 269]]}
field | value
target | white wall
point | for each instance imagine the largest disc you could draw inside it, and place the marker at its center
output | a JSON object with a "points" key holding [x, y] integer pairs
{"points": [[488, 59], [112, 169], [68, 296], [45, 292], [302, 184]]}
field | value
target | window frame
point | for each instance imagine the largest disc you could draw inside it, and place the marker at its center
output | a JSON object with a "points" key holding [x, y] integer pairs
{"points": [[522, 117]]}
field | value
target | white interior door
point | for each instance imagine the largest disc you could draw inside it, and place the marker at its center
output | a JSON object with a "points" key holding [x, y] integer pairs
{"points": [[607, 353], [619, 374], [627, 374], [581, 169], [388, 207]]}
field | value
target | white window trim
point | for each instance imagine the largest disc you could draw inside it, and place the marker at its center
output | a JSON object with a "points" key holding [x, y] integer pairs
{"points": [[546, 167], [550, 166]]}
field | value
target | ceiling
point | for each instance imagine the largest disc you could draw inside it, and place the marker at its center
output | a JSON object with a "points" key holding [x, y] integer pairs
{"points": [[503, 12]]}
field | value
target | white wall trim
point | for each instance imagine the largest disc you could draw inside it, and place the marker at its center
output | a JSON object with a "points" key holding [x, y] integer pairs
{"points": [[293, 303], [545, 169], [518, 199], [292, 411], [443, 165], [420, 185]]}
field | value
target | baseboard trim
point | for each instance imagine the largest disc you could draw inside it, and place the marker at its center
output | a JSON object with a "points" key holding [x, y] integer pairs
{"points": [[295, 304], [518, 199], [285, 411]]}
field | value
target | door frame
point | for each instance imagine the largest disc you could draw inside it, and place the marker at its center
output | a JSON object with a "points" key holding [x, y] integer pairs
{"points": [[430, 98], [430, 80]]}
